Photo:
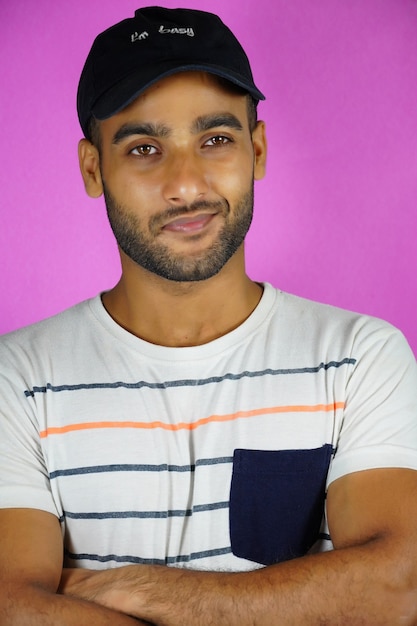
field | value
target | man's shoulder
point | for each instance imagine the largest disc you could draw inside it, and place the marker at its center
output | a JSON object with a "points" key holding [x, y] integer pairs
{"points": [[52, 329], [332, 324], [310, 311], [329, 313]]}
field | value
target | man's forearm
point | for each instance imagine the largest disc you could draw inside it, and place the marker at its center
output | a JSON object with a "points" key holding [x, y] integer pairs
{"points": [[354, 586], [32, 606]]}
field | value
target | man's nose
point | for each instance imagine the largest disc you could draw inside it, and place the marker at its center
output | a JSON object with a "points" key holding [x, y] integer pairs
{"points": [[185, 180]]}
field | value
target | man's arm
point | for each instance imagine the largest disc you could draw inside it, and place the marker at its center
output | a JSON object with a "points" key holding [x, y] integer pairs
{"points": [[369, 579], [30, 570]]}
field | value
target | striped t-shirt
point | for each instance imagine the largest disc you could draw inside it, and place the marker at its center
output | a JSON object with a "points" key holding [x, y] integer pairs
{"points": [[213, 457]]}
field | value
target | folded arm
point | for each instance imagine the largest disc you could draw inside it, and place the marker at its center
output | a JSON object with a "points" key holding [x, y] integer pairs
{"points": [[30, 570], [370, 577]]}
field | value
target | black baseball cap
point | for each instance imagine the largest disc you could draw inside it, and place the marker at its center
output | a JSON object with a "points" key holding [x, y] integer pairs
{"points": [[128, 57]]}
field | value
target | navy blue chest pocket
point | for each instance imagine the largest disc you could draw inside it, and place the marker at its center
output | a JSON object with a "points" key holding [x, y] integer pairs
{"points": [[277, 502]]}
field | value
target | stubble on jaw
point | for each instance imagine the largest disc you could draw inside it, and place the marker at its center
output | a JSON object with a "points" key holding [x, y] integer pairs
{"points": [[140, 243]]}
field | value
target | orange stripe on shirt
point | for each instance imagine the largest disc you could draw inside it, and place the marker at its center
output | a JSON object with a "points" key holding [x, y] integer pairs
{"points": [[193, 425]]}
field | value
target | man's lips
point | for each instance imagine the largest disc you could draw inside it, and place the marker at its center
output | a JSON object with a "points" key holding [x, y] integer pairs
{"points": [[189, 223]]}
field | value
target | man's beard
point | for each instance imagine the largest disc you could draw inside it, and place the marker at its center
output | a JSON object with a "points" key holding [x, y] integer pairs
{"points": [[157, 258]]}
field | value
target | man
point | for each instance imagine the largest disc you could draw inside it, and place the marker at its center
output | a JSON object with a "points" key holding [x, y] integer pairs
{"points": [[194, 448]]}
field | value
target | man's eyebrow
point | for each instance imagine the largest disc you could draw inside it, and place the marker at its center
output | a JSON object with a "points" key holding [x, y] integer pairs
{"points": [[207, 122], [141, 128], [201, 124]]}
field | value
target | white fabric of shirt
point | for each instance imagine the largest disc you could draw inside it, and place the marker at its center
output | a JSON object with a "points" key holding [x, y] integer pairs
{"points": [[133, 445]]}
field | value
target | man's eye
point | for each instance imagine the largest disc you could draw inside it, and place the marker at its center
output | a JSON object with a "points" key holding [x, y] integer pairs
{"points": [[217, 140], [144, 150]]}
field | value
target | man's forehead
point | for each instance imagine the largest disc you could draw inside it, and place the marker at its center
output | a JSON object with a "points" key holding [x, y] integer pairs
{"points": [[191, 80], [205, 100]]}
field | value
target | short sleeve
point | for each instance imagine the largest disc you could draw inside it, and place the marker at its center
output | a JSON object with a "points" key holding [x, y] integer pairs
{"points": [[379, 427], [24, 480]]}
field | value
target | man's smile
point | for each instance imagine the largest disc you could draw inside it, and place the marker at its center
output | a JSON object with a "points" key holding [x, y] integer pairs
{"points": [[190, 223]]}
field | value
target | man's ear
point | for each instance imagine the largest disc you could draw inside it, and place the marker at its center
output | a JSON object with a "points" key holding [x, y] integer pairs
{"points": [[259, 150], [89, 159]]}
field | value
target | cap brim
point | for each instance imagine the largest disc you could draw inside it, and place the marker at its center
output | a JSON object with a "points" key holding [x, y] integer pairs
{"points": [[126, 90]]}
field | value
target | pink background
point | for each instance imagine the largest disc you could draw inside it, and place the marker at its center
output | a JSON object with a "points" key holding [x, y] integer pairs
{"points": [[336, 216]]}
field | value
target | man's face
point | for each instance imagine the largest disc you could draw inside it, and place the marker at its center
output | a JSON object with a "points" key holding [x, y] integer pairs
{"points": [[177, 169]]}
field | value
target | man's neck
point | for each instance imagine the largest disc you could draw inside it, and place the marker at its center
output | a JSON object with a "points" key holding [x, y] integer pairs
{"points": [[182, 314]]}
